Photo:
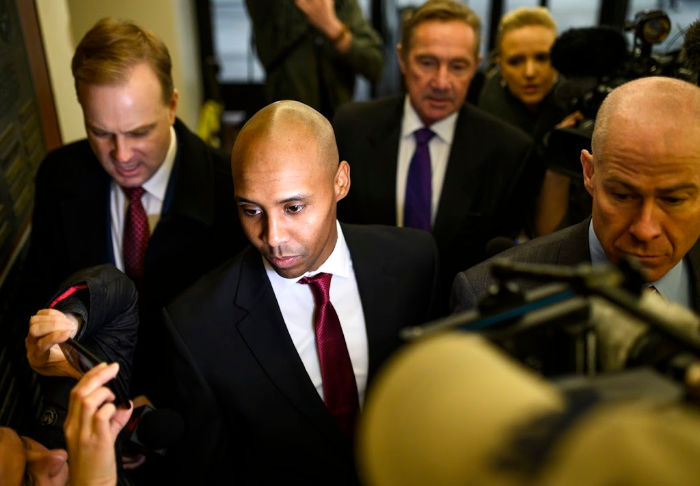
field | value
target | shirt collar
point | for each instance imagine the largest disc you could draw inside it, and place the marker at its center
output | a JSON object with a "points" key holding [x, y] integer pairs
{"points": [[674, 285], [338, 263], [444, 129], [158, 182]]}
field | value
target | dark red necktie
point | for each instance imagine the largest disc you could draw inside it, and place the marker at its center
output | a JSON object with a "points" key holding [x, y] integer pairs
{"points": [[339, 387], [416, 213], [136, 233]]}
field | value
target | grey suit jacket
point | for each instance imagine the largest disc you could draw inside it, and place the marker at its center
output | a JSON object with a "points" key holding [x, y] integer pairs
{"points": [[568, 246], [251, 410]]}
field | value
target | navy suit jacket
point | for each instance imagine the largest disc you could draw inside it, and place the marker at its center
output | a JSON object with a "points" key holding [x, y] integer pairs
{"points": [[487, 187], [252, 412]]}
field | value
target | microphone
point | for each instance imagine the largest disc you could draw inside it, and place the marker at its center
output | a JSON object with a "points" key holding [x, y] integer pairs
{"points": [[152, 430], [498, 244], [589, 51], [691, 47]]}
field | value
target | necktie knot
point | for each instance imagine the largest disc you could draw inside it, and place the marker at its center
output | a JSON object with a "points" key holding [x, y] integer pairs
{"points": [[320, 285], [423, 135], [133, 193]]}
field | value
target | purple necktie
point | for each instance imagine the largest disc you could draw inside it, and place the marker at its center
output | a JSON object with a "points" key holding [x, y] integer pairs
{"points": [[419, 185], [136, 233], [339, 387]]}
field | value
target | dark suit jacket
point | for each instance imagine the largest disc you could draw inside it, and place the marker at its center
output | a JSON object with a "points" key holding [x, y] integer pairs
{"points": [[198, 228], [252, 412], [485, 190], [565, 247], [109, 311]]}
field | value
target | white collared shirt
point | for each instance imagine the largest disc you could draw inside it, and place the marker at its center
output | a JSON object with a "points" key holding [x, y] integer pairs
{"points": [[296, 302], [152, 201], [439, 147]]}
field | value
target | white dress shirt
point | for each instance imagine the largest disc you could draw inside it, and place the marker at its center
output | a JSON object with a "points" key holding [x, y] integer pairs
{"points": [[152, 201], [296, 302], [439, 147]]}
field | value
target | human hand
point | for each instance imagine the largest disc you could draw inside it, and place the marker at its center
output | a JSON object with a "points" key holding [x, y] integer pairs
{"points": [[570, 120], [48, 328], [92, 426], [321, 14]]}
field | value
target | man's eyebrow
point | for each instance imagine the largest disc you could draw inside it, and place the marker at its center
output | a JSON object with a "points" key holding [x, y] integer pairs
{"points": [[292, 198], [684, 186], [141, 128], [625, 184]]}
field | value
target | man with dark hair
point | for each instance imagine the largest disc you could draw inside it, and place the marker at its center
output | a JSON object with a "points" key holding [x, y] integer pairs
{"points": [[142, 192], [428, 159], [644, 178], [275, 350]]}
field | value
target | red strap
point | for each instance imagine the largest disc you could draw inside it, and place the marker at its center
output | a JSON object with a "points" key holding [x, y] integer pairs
{"points": [[66, 294]]}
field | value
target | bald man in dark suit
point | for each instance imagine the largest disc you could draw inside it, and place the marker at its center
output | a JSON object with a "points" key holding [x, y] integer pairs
{"points": [[251, 374]]}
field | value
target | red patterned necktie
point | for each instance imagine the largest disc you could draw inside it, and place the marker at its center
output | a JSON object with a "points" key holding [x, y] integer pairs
{"points": [[339, 387], [136, 233]]}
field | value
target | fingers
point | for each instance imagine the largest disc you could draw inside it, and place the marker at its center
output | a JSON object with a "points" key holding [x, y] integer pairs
{"points": [[48, 321], [48, 328], [92, 426], [87, 397]]}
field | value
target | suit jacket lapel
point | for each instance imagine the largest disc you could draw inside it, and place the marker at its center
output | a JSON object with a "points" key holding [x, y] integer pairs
{"points": [[694, 259], [461, 178], [576, 249], [384, 144], [266, 335], [190, 192], [378, 305]]}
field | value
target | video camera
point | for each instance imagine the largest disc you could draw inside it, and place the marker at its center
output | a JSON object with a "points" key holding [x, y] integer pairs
{"points": [[593, 62], [587, 320]]}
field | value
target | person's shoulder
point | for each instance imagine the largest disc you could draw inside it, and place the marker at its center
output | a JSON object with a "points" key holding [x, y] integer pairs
{"points": [[498, 130], [408, 242], [191, 144], [217, 285], [74, 154], [568, 245], [201, 156], [361, 110], [73, 164]]}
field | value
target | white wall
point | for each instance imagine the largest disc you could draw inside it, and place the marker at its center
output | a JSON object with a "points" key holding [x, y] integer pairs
{"points": [[56, 32], [64, 22]]}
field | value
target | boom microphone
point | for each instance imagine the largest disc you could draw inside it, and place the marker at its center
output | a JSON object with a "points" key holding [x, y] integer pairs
{"points": [[691, 47], [589, 51], [153, 430]]}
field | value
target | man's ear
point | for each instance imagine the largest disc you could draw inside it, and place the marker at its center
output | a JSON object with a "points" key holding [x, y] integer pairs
{"points": [[172, 106], [588, 163], [342, 180], [399, 55]]}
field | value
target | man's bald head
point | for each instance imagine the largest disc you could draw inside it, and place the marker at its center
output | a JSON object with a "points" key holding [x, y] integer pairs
{"points": [[667, 103], [287, 180], [288, 122], [644, 173]]}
